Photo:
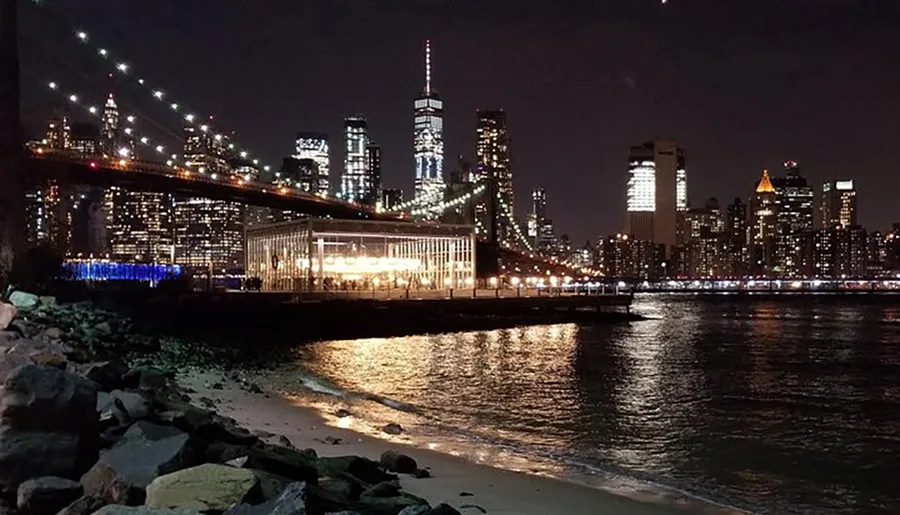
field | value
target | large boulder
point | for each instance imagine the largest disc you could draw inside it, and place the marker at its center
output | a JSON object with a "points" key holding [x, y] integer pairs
{"points": [[364, 469], [48, 425], [24, 300], [399, 463], [46, 495], [205, 487], [123, 473], [143, 430], [7, 314], [118, 509]]}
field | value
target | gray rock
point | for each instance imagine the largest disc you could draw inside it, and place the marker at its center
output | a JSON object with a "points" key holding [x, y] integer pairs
{"points": [[133, 404], [420, 474], [383, 489], [296, 499], [474, 507], [47, 300], [123, 473], [53, 333], [107, 374], [7, 314], [365, 470], [387, 505], [83, 506], [283, 440], [337, 491], [46, 495], [24, 300], [400, 463], [416, 510], [118, 509], [204, 488], [289, 463], [393, 429], [143, 430], [48, 425], [270, 485]]}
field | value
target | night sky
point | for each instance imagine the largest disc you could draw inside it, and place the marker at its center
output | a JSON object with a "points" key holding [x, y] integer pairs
{"points": [[741, 85]]}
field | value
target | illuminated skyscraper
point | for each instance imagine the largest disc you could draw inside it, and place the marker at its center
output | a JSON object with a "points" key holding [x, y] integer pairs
{"points": [[59, 131], [428, 142], [115, 138], [209, 234], [314, 146], [354, 181], [794, 207], [838, 204], [657, 192], [372, 192], [391, 198], [735, 235], [494, 211], [762, 238]]}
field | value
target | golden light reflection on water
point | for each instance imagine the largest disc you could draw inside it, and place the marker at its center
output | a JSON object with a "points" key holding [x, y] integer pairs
{"points": [[719, 393]]}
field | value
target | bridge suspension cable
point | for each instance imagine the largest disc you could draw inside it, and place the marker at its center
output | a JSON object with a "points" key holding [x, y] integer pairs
{"points": [[516, 229], [74, 69], [124, 68], [95, 111], [447, 204]]}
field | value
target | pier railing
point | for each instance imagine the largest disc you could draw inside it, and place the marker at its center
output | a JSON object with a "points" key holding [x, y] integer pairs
{"points": [[466, 293]]}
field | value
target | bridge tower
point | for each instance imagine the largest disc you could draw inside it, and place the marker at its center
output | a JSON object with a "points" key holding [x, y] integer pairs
{"points": [[12, 155]]}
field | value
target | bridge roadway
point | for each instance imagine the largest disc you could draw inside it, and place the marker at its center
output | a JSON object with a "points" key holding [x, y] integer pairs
{"points": [[103, 171]]}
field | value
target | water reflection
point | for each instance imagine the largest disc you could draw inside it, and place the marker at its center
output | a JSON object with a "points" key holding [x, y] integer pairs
{"points": [[785, 405]]}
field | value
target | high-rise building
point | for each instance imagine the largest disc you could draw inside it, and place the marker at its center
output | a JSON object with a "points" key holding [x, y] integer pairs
{"points": [[657, 192], [314, 146], [763, 226], [835, 253], [794, 214], [494, 211], [428, 138], [112, 131], [209, 234], [735, 234], [391, 198], [704, 249], [372, 193], [838, 204], [623, 256], [892, 250], [540, 228], [86, 138], [354, 181], [302, 173], [59, 131]]}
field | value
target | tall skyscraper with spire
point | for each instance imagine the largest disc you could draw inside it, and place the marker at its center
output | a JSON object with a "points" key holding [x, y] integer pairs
{"points": [[429, 138]]}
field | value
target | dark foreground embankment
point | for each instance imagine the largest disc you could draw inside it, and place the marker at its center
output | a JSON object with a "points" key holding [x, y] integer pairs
{"points": [[91, 422], [277, 320]]}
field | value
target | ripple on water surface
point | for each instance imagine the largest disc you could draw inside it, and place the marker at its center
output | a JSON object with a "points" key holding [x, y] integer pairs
{"points": [[787, 405]]}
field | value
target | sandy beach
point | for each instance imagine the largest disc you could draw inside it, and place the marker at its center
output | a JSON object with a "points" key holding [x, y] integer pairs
{"points": [[495, 490]]}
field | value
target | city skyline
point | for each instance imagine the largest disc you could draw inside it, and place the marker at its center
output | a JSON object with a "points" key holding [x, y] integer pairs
{"points": [[576, 171]]}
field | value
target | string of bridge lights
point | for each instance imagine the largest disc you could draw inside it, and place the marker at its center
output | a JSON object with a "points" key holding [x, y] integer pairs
{"points": [[93, 110], [122, 67], [415, 201], [441, 206], [516, 227]]}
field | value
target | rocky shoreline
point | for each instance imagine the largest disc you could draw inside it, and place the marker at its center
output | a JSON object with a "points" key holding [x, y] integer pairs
{"points": [[92, 421]]}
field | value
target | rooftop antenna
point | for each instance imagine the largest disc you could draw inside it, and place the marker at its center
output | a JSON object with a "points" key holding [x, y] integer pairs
{"points": [[427, 66]]}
